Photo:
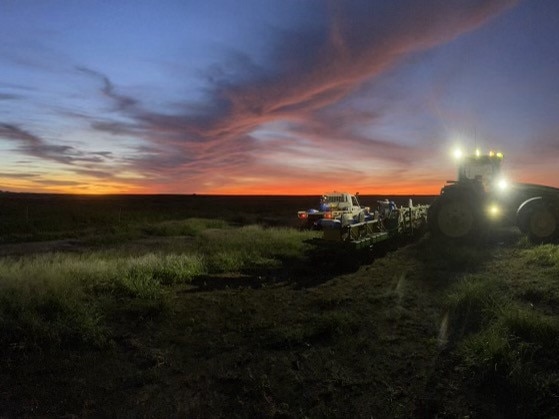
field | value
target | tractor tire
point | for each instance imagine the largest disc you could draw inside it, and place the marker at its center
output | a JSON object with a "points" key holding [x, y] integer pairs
{"points": [[524, 212], [453, 218], [542, 224]]}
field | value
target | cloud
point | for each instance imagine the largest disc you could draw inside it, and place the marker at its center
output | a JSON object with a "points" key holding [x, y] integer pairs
{"points": [[314, 69], [17, 175], [33, 145], [122, 102], [8, 96], [51, 182], [307, 72]]}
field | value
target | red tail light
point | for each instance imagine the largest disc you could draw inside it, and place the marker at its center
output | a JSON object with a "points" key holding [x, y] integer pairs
{"points": [[328, 215], [303, 215]]}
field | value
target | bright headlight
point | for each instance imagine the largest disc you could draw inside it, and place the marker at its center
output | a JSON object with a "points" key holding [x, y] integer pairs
{"points": [[502, 184], [494, 211]]}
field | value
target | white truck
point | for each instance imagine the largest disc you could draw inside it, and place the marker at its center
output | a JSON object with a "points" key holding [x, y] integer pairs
{"points": [[332, 205]]}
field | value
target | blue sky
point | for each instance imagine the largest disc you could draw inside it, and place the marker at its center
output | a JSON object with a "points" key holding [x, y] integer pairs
{"points": [[273, 97]]}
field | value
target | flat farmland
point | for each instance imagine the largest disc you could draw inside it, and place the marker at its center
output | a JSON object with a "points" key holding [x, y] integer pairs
{"points": [[218, 306]]}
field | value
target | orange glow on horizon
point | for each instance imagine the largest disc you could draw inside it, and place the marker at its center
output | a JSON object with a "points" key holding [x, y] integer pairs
{"points": [[279, 189], [26, 186], [286, 189]]}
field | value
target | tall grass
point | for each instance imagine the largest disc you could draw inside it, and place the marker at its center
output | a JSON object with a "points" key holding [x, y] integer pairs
{"points": [[40, 306], [250, 246], [54, 299]]}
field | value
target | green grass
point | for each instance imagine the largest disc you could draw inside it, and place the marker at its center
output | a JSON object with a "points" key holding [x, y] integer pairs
{"points": [[545, 255], [53, 300], [472, 304], [33, 217], [129, 321], [504, 334]]}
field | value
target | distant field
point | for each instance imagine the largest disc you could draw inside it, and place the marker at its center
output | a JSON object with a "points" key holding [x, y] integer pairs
{"points": [[28, 217], [211, 306]]}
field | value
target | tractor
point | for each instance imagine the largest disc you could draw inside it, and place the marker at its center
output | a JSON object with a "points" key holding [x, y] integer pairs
{"points": [[480, 198]]}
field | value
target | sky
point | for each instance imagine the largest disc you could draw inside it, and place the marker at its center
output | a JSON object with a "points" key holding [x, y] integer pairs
{"points": [[273, 96]]}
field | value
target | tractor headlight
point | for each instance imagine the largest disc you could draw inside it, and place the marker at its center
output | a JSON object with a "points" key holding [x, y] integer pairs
{"points": [[494, 211], [502, 184]]}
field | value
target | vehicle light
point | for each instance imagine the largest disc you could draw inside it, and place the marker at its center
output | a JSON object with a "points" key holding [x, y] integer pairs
{"points": [[457, 154], [494, 211], [500, 155], [303, 215], [478, 153], [328, 215], [502, 184], [491, 153]]}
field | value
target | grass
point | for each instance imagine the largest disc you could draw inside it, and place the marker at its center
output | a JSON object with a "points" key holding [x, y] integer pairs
{"points": [[32, 217], [127, 325], [509, 344], [54, 300], [544, 256]]}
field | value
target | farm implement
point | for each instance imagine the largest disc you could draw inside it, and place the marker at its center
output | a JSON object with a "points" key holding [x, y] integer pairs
{"points": [[365, 230]]}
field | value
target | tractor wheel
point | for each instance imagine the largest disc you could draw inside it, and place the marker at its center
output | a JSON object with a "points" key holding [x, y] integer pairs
{"points": [[453, 218], [542, 224], [524, 212]]}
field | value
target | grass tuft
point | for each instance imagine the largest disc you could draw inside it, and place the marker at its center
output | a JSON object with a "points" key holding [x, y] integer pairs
{"points": [[545, 255], [471, 305]]}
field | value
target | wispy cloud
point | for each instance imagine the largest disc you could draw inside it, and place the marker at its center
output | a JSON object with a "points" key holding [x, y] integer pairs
{"points": [[17, 175], [122, 102], [34, 145], [202, 146], [8, 96], [315, 69]]}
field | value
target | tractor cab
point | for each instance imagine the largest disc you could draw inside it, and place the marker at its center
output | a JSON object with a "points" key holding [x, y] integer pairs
{"points": [[484, 169]]}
